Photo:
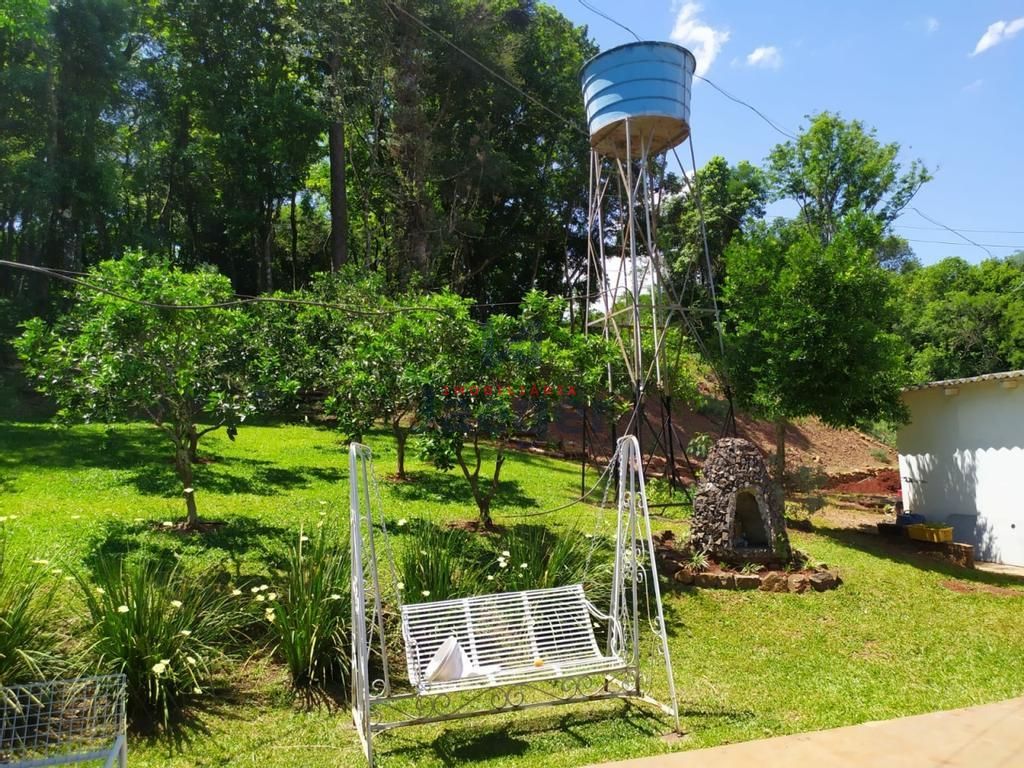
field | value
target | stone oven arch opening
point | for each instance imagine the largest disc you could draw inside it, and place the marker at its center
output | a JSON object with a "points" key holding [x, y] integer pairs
{"points": [[749, 530]]}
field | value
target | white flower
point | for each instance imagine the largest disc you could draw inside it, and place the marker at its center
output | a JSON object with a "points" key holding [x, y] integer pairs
{"points": [[185, 632], [3, 519], [167, 524], [57, 571], [189, 490], [323, 503], [334, 596], [176, 603], [236, 592], [423, 552], [100, 591], [260, 598], [524, 566], [506, 553], [490, 578], [76, 517], [190, 659], [502, 564], [264, 587], [270, 615], [197, 690], [122, 609], [272, 596], [400, 585], [40, 562], [254, 590], [425, 593], [402, 522], [160, 667], [303, 538]]}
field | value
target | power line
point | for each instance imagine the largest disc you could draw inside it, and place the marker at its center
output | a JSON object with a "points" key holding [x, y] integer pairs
{"points": [[236, 301], [950, 229], [953, 242], [573, 124], [604, 15], [749, 106], [963, 229]]}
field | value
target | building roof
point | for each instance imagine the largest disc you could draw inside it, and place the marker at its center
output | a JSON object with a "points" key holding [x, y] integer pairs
{"points": [[1003, 376]]}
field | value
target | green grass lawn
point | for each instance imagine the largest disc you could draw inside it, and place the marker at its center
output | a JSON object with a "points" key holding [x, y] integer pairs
{"points": [[893, 640]]}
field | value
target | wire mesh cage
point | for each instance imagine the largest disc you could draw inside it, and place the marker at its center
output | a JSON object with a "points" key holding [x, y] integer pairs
{"points": [[46, 723]]}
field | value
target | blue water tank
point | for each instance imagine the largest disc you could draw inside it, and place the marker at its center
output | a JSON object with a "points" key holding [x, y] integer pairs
{"points": [[645, 85]]}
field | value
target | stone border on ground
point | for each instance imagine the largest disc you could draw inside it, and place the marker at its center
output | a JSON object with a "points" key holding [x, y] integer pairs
{"points": [[819, 580]]}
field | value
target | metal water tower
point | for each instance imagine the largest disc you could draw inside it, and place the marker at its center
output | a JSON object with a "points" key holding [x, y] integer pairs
{"points": [[637, 100]]}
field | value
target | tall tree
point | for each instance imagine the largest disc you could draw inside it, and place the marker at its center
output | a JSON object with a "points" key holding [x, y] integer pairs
{"points": [[963, 320], [809, 327], [731, 197], [836, 167]]}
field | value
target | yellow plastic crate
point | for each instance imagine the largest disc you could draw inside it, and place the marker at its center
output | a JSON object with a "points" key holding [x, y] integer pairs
{"points": [[930, 532]]}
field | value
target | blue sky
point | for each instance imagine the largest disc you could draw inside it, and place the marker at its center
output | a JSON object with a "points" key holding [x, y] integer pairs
{"points": [[945, 80]]}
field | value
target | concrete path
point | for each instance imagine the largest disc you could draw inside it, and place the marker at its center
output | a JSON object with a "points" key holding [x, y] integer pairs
{"points": [[991, 736]]}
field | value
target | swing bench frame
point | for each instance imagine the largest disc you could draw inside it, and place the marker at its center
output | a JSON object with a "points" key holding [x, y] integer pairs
{"points": [[526, 649]]}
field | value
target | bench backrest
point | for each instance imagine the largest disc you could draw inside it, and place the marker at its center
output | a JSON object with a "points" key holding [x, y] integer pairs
{"points": [[509, 629], [57, 721]]}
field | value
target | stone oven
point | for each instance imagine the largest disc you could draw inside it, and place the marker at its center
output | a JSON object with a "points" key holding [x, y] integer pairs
{"points": [[737, 512]]}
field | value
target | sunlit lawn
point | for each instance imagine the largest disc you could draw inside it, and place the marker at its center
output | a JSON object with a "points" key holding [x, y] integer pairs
{"points": [[891, 641]]}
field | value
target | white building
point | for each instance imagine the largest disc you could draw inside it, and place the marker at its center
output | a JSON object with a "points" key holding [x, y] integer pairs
{"points": [[962, 460]]}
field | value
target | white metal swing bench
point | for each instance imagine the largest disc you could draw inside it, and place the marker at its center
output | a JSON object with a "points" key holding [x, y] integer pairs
{"points": [[518, 649]]}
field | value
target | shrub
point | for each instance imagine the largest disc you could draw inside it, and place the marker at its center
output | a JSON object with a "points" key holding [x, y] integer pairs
{"points": [[165, 629], [309, 619], [28, 642], [700, 445]]}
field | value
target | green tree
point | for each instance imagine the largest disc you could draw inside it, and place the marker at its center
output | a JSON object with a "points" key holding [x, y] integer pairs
{"points": [[809, 327], [838, 167], [305, 336], [110, 359], [396, 360], [732, 197], [508, 380], [963, 320]]}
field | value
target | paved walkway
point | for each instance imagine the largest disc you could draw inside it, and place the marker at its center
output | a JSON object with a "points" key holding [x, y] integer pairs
{"points": [[991, 736]]}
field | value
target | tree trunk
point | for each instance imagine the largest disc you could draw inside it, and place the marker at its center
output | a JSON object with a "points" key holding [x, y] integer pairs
{"points": [[401, 434], [193, 444], [339, 195], [483, 503], [780, 452], [294, 222], [184, 466]]}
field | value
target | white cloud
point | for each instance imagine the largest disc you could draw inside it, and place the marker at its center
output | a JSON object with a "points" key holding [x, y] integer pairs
{"points": [[931, 24], [766, 57], [704, 40], [973, 86], [996, 33]]}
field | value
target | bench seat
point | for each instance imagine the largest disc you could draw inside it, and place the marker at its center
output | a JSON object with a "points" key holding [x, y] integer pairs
{"points": [[509, 638]]}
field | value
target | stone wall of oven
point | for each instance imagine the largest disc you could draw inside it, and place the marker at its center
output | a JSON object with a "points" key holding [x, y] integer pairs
{"points": [[735, 465]]}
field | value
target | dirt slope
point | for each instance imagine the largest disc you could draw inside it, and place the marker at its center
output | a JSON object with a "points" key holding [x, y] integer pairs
{"points": [[809, 443]]}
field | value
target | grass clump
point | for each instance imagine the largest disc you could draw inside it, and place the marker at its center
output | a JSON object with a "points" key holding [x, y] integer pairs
{"points": [[440, 564], [309, 620], [537, 557], [165, 629], [28, 641]]}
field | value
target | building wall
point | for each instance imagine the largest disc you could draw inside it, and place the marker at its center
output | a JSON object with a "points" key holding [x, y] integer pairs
{"points": [[962, 463]]}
